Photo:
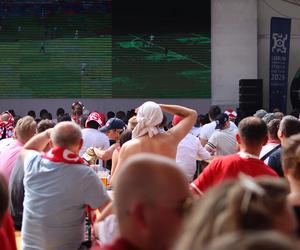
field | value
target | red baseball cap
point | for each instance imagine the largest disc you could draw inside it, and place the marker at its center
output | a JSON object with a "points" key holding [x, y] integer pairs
{"points": [[102, 117], [95, 116]]}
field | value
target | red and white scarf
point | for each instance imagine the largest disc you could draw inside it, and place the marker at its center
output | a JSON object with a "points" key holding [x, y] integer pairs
{"points": [[7, 125], [59, 154]]}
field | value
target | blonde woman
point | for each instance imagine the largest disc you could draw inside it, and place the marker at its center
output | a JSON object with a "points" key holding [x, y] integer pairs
{"points": [[239, 205], [263, 240]]}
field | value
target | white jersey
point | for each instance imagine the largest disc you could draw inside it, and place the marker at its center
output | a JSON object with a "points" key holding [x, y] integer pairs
{"points": [[208, 129], [223, 142]]}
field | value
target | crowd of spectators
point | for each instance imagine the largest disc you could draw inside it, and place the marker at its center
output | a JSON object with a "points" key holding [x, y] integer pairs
{"points": [[199, 181]]}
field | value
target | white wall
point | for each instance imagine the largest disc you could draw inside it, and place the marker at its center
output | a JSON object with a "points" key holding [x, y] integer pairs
{"points": [[234, 47], [265, 13], [22, 106]]}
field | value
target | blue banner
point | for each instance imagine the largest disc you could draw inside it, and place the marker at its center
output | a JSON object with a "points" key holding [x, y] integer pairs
{"points": [[279, 62]]}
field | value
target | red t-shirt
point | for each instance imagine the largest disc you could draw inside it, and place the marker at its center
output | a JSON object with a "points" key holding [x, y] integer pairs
{"points": [[119, 244], [7, 234], [229, 167]]}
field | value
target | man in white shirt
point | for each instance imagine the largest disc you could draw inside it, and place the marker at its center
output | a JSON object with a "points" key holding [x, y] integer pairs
{"points": [[208, 129], [196, 130], [223, 140], [189, 150], [91, 135]]}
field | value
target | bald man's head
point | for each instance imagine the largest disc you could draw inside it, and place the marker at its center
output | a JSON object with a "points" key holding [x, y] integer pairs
{"points": [[151, 185], [66, 135]]}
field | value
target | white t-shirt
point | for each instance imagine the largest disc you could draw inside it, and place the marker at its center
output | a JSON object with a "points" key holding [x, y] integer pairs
{"points": [[196, 131], [55, 197], [223, 141], [208, 129], [93, 138], [189, 150]]}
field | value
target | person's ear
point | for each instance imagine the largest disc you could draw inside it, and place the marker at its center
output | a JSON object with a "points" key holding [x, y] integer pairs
{"points": [[80, 143], [15, 134], [280, 134], [138, 216], [238, 138], [285, 171]]}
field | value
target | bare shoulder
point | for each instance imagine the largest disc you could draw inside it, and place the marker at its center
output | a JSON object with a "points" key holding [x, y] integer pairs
{"points": [[132, 142], [131, 145], [168, 136]]}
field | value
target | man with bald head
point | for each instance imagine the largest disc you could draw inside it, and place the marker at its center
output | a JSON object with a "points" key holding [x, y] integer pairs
{"points": [[58, 187], [146, 136], [149, 210]]}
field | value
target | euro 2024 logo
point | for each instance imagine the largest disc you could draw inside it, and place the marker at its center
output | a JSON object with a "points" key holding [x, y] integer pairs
{"points": [[279, 43]]}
